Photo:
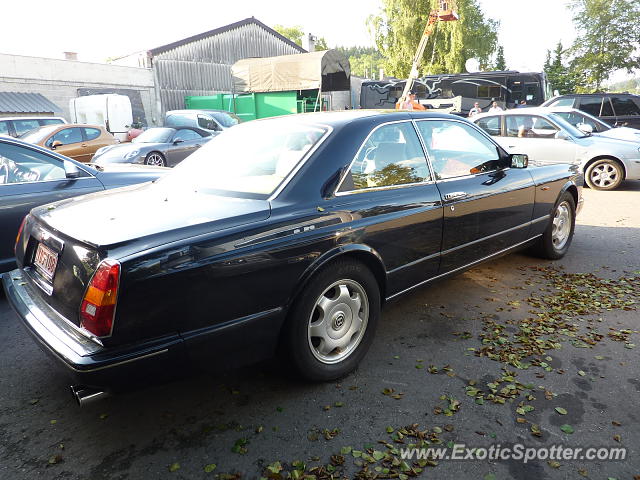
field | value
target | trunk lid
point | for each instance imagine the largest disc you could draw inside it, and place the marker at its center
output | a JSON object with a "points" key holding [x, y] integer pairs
{"points": [[81, 231]]}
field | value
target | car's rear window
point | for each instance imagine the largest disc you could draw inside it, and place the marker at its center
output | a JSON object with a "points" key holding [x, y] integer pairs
{"points": [[252, 158]]}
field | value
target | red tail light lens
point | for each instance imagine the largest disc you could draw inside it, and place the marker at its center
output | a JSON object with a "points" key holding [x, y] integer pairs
{"points": [[99, 304], [24, 220]]}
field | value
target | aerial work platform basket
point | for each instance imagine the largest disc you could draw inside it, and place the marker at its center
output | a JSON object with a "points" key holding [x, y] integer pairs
{"points": [[446, 12]]}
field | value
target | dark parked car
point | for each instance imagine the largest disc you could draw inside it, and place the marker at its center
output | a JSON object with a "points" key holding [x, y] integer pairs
{"points": [[159, 146], [32, 176], [287, 232], [618, 109]]}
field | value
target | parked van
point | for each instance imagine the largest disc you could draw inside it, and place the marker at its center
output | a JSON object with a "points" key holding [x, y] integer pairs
{"points": [[16, 126], [213, 121], [110, 110]]}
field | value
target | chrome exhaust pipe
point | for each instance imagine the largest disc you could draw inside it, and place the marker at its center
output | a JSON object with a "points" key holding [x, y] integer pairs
{"points": [[84, 395]]}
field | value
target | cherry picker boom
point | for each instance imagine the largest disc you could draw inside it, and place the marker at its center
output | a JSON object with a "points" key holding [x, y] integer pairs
{"points": [[446, 12]]}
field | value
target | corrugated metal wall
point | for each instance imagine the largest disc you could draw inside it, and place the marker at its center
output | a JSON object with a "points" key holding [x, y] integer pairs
{"points": [[203, 67]]}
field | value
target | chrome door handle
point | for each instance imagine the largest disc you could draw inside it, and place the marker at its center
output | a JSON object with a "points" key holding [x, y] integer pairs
{"points": [[455, 195]]}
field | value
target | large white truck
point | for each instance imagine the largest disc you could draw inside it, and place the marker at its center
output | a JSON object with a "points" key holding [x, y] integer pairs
{"points": [[110, 110]]}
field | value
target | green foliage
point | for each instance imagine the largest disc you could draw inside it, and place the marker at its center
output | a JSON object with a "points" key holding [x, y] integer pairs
{"points": [[562, 78], [608, 34], [399, 27], [632, 86], [501, 63], [294, 33], [365, 61]]}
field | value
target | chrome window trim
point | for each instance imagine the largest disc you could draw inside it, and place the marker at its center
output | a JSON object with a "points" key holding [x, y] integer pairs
{"points": [[302, 161], [464, 122], [337, 193]]}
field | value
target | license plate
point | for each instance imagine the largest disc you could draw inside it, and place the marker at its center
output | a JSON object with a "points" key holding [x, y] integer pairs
{"points": [[46, 261]]}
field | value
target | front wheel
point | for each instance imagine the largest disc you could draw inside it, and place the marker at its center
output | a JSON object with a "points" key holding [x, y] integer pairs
{"points": [[333, 321], [156, 159], [556, 239], [604, 174]]}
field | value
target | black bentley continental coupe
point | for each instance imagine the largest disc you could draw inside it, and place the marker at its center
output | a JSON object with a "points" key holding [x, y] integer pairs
{"points": [[287, 233]]}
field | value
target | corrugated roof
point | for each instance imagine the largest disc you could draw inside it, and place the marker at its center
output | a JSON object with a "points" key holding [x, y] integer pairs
{"points": [[20, 102], [217, 31]]}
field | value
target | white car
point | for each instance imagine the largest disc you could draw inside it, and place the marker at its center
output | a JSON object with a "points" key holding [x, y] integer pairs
{"points": [[590, 124], [546, 138]]}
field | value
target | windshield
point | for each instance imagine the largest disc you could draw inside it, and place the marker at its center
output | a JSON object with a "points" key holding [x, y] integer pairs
{"points": [[251, 158], [573, 131], [155, 135], [39, 134], [226, 119], [575, 118]]}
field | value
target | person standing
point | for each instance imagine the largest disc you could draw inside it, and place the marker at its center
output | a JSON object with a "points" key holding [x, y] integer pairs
{"points": [[475, 110], [495, 107]]}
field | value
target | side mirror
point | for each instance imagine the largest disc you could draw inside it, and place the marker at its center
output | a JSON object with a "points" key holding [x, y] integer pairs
{"points": [[70, 169], [56, 144], [519, 160], [177, 141], [585, 127]]}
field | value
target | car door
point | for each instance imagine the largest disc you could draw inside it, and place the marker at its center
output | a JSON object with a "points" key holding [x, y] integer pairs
{"points": [[626, 110], [28, 178], [183, 143], [544, 142], [395, 207], [72, 141], [93, 140], [487, 205]]}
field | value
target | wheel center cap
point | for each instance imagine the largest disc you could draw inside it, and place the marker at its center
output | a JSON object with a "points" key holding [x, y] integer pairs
{"points": [[338, 321]]}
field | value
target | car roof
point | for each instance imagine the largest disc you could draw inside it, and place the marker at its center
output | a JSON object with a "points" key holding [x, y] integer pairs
{"points": [[35, 117]]}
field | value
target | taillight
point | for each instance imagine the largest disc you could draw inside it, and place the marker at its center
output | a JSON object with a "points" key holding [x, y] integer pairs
{"points": [[15, 247], [99, 304]]}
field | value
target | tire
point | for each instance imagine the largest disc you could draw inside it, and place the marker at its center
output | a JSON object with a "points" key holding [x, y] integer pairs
{"points": [[556, 239], [311, 331], [155, 159], [604, 174]]}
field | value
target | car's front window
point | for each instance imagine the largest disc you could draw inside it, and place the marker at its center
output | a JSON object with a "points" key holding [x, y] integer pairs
{"points": [[251, 158], [576, 118], [562, 123], [154, 135], [22, 165]]}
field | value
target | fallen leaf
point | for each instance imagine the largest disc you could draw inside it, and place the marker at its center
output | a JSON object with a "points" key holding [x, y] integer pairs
{"points": [[210, 468], [561, 411], [566, 428], [174, 467]]}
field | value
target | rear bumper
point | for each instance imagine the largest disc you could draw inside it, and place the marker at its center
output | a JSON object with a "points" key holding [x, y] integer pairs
{"points": [[83, 358]]}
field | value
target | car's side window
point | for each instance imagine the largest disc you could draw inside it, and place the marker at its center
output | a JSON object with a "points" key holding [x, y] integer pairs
{"points": [[185, 135], [529, 126], [391, 156], [456, 149], [625, 106], [91, 133], [4, 128], [23, 126], [20, 165], [207, 123], [66, 136], [491, 125], [592, 105]]}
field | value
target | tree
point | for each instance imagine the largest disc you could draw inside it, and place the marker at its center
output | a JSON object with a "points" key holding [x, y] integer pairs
{"points": [[365, 61], [501, 63], [607, 40], [397, 31], [294, 34], [565, 79]]}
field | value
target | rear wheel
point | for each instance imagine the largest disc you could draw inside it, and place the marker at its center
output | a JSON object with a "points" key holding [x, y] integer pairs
{"points": [[333, 321], [604, 174], [556, 239], [156, 159]]}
